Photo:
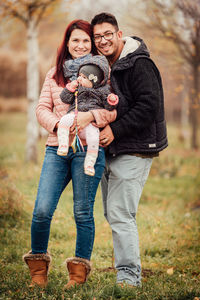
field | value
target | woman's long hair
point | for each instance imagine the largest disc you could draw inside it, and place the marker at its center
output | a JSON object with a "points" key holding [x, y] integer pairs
{"points": [[63, 51]]}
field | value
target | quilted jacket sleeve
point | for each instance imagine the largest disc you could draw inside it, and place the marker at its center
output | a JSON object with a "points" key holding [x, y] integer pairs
{"points": [[44, 111]]}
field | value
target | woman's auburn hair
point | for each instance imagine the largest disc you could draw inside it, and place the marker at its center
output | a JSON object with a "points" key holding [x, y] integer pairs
{"points": [[63, 52]]}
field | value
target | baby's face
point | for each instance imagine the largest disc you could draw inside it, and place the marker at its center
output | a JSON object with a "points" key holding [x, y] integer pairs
{"points": [[84, 81]]}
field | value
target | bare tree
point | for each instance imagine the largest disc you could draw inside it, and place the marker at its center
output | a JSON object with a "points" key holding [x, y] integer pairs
{"points": [[179, 21], [89, 8], [30, 12]]}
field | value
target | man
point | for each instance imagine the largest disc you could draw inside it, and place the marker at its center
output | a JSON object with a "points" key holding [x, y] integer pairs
{"points": [[137, 135]]}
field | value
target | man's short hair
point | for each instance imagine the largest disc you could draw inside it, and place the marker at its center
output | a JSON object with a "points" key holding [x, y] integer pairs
{"points": [[105, 18]]}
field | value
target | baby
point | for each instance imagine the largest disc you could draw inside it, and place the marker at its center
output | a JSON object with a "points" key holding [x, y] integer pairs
{"points": [[93, 93]]}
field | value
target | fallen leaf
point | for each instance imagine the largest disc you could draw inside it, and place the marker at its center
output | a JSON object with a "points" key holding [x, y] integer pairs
{"points": [[170, 271]]}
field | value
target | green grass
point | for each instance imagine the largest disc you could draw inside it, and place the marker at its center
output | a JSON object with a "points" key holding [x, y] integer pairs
{"points": [[168, 222]]}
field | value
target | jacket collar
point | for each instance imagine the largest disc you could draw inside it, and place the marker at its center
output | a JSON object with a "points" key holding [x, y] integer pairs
{"points": [[130, 45], [134, 47]]}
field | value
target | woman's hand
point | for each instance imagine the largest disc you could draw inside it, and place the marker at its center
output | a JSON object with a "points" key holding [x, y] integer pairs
{"points": [[103, 117], [83, 119]]}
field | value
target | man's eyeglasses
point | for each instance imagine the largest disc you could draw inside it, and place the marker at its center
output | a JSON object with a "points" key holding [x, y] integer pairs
{"points": [[107, 36]]}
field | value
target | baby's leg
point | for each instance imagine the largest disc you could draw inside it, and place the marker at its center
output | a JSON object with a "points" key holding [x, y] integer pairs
{"points": [[63, 133], [92, 139]]}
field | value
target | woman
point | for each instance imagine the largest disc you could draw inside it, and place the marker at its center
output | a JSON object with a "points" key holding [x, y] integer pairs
{"points": [[57, 171]]}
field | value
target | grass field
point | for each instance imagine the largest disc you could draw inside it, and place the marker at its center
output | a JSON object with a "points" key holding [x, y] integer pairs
{"points": [[168, 222]]}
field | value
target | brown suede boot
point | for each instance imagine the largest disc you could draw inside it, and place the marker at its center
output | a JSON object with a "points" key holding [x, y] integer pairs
{"points": [[79, 269], [39, 266]]}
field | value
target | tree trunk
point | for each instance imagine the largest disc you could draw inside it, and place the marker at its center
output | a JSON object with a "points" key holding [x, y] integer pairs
{"points": [[194, 109], [32, 91]]}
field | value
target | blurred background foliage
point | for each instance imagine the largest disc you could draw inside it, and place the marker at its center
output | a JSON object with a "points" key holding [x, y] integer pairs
{"points": [[168, 216], [171, 30], [155, 21]]}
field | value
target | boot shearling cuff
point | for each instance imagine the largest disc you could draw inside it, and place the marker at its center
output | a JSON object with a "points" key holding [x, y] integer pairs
{"points": [[39, 256], [79, 260]]}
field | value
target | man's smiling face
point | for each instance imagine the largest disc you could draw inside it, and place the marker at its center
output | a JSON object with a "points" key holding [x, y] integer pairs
{"points": [[110, 48]]}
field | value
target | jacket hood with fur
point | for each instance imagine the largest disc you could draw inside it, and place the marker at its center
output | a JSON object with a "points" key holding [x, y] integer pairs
{"points": [[133, 46]]}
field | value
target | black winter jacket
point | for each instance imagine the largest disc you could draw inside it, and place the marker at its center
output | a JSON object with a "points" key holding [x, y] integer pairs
{"points": [[140, 126]]}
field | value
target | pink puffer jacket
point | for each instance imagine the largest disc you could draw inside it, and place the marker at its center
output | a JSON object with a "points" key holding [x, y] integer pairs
{"points": [[50, 109]]}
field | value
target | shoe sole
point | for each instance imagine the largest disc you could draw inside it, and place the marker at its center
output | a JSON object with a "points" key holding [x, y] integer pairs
{"points": [[62, 153], [89, 173]]}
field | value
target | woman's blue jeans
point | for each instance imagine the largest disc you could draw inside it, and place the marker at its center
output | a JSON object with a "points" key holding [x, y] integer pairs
{"points": [[56, 173]]}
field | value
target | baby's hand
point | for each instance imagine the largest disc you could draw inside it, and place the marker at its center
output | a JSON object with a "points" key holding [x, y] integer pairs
{"points": [[112, 99], [74, 84], [71, 86]]}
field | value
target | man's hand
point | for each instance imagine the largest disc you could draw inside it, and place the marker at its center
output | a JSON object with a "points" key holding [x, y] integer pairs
{"points": [[106, 136]]}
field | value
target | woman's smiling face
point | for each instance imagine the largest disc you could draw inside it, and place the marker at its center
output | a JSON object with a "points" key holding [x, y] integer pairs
{"points": [[79, 43]]}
